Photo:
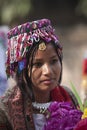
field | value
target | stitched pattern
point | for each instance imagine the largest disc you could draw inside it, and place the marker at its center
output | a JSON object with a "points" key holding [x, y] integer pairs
{"points": [[15, 102], [13, 105]]}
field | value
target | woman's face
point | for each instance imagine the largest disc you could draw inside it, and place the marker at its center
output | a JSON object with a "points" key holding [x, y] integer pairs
{"points": [[46, 69]]}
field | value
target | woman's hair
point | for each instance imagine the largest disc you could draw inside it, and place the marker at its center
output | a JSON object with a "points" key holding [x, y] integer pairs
{"points": [[23, 80]]}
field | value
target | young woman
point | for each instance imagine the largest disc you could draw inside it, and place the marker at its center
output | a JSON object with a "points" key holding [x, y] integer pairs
{"points": [[34, 61]]}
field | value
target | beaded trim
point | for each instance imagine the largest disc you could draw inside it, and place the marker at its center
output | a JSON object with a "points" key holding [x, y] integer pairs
{"points": [[41, 108]]}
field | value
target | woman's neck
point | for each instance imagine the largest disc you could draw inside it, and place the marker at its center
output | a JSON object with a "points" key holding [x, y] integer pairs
{"points": [[42, 97]]}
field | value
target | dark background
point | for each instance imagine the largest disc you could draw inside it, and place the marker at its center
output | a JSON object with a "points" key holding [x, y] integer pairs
{"points": [[61, 12]]}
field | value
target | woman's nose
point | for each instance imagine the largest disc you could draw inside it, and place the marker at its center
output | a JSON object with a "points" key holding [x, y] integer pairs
{"points": [[47, 69]]}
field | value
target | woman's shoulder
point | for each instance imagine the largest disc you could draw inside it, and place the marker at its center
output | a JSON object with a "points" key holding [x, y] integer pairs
{"points": [[71, 94], [4, 123], [3, 106], [5, 98], [11, 89], [4, 118], [63, 93], [11, 86]]}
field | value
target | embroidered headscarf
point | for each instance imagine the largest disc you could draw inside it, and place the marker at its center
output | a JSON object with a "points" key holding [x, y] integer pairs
{"points": [[22, 37]]}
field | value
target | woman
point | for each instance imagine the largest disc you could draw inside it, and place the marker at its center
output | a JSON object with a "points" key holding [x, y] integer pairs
{"points": [[34, 60]]}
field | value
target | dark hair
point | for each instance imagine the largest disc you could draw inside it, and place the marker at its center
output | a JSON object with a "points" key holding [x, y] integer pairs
{"points": [[23, 80]]}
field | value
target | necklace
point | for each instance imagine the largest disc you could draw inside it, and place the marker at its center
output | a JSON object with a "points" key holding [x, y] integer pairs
{"points": [[41, 108]]}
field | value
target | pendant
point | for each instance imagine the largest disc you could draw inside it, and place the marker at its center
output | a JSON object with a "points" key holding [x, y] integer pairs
{"points": [[42, 46]]}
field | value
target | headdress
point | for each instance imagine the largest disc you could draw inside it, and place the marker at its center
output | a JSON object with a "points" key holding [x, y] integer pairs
{"points": [[22, 37]]}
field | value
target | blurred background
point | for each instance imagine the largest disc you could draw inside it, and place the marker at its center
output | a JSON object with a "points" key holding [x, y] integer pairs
{"points": [[69, 17]]}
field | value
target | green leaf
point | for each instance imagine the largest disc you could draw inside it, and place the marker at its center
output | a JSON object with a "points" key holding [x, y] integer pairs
{"points": [[85, 104], [77, 96]]}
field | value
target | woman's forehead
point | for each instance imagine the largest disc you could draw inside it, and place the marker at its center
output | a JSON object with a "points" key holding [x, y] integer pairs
{"points": [[48, 52]]}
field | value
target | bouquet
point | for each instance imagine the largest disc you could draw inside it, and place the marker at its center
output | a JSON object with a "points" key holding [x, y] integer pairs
{"points": [[62, 116], [82, 124]]}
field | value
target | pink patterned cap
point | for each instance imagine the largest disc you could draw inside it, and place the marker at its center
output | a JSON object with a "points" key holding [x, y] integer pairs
{"points": [[22, 37]]}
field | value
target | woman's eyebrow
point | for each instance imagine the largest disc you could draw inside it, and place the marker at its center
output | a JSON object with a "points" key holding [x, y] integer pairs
{"points": [[37, 60], [54, 56], [40, 59]]}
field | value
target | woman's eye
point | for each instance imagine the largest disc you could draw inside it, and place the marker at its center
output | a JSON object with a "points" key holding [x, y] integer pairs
{"points": [[38, 64], [54, 61]]}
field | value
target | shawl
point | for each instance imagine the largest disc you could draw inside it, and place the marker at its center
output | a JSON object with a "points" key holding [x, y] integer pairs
{"points": [[15, 110]]}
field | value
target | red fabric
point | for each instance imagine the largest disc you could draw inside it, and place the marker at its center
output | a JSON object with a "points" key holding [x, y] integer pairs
{"points": [[15, 110], [84, 67], [82, 125], [3, 127], [60, 94]]}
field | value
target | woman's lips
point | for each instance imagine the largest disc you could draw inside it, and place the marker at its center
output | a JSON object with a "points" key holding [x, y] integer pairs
{"points": [[47, 81]]}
